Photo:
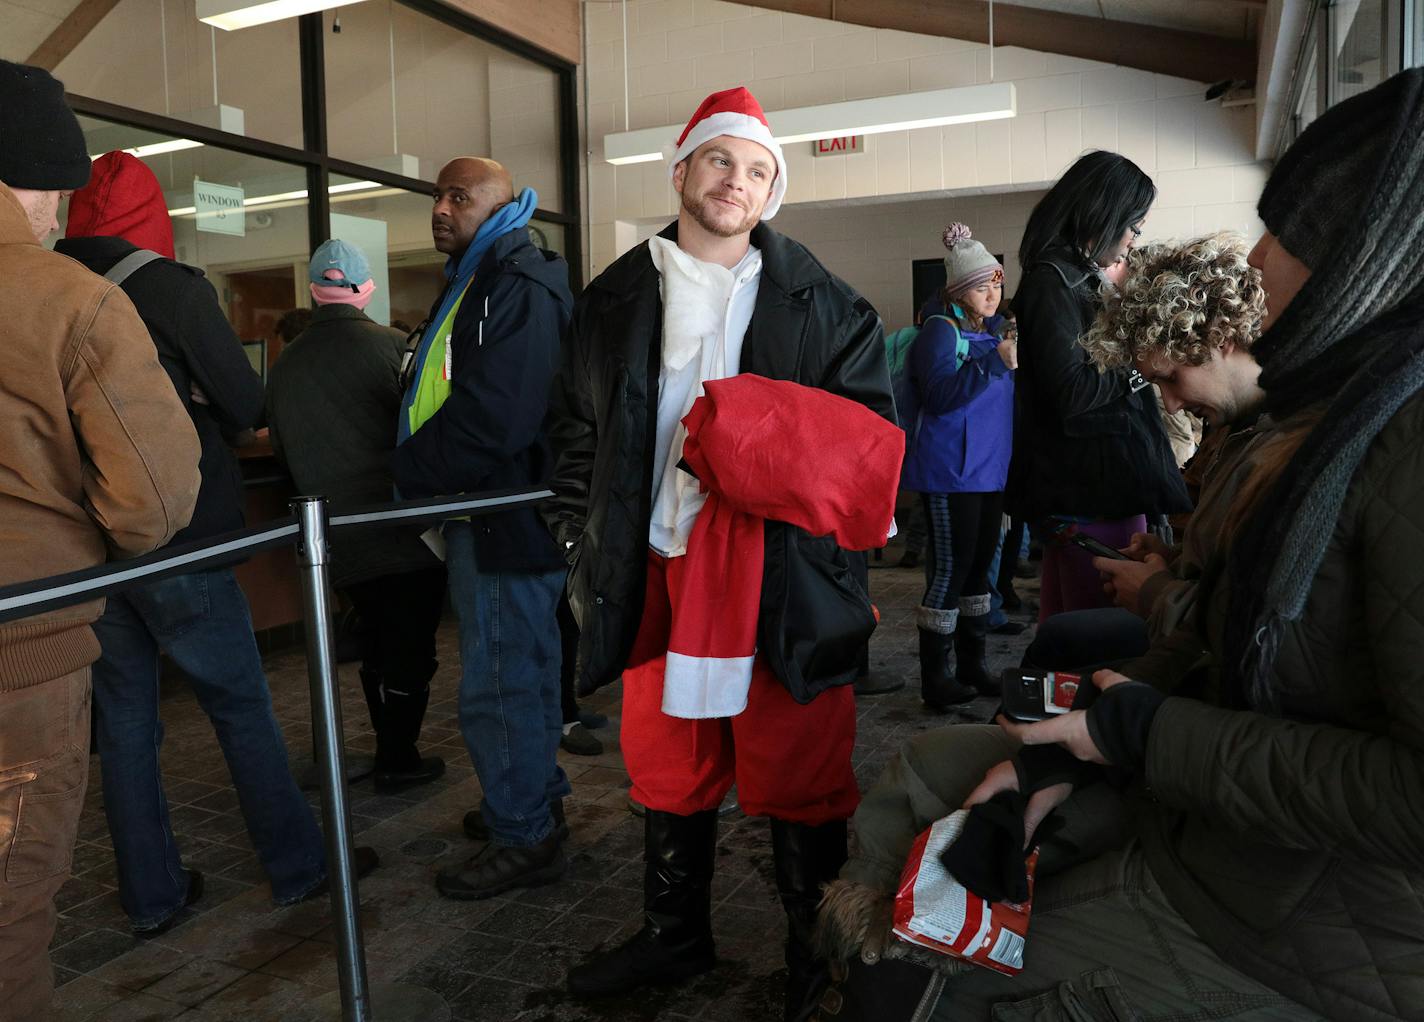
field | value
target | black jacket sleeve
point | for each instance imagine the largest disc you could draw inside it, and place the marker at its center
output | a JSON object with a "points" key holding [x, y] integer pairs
{"points": [[858, 370], [216, 361], [1050, 319], [573, 437], [498, 396]]}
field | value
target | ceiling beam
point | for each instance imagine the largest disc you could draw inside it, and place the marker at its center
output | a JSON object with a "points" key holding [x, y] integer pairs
{"points": [[1166, 51], [71, 32]]}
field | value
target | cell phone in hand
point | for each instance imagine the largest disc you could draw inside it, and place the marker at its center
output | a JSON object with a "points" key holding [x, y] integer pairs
{"points": [[1031, 696], [1096, 547]]}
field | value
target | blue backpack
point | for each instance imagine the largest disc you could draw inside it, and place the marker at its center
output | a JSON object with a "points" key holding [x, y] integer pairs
{"points": [[897, 354]]}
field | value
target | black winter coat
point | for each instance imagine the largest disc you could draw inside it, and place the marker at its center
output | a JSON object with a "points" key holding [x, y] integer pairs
{"points": [[332, 399], [488, 435], [808, 327], [1084, 442], [196, 347]]}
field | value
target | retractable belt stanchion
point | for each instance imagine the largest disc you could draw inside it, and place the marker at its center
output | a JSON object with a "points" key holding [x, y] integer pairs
{"points": [[330, 757], [356, 1000]]}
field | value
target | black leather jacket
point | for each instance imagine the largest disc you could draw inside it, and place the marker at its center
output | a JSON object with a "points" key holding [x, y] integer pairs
{"points": [[808, 327], [1085, 443]]}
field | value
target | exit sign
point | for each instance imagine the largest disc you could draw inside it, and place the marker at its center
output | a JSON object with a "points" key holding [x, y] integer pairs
{"points": [[838, 146]]}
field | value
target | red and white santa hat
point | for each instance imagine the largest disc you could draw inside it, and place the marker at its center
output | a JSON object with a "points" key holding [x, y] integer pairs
{"points": [[737, 113]]}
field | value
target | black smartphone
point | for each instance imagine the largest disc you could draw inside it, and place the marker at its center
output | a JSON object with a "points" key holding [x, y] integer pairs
{"points": [[1038, 695], [1096, 547]]}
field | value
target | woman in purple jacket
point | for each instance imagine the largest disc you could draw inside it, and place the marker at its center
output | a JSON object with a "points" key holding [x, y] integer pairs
{"points": [[959, 442]]}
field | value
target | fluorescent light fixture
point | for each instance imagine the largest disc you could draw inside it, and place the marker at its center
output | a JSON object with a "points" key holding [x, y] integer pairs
{"points": [[234, 14], [301, 193], [905, 112], [172, 145]]}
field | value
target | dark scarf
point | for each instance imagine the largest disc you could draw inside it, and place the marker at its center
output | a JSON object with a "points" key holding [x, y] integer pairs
{"points": [[1351, 345]]}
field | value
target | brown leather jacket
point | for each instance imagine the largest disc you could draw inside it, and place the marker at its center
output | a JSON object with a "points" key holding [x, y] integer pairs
{"points": [[100, 460]]}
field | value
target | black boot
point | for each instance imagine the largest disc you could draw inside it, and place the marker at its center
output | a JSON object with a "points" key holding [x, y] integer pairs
{"points": [[397, 708], [969, 643], [806, 858], [938, 686], [891, 990], [675, 942]]}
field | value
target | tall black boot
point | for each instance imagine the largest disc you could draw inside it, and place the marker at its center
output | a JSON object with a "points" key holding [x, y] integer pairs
{"points": [[397, 712], [938, 687], [806, 858], [675, 942], [969, 644]]}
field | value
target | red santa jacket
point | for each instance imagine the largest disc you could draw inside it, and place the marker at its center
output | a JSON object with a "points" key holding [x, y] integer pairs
{"points": [[765, 449]]}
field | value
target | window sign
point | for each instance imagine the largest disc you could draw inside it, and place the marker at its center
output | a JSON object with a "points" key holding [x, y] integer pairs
{"points": [[219, 209]]}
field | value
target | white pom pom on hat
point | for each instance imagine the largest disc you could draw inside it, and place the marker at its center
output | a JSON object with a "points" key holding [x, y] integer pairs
{"points": [[737, 113]]}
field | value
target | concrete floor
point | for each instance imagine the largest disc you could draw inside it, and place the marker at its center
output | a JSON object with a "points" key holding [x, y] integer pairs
{"points": [[238, 957]]}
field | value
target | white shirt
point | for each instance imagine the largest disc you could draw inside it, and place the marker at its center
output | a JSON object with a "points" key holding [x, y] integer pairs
{"points": [[706, 311]]}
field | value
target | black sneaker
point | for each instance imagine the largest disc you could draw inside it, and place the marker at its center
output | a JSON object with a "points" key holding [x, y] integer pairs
{"points": [[580, 741], [390, 782], [498, 869], [195, 891], [363, 861]]}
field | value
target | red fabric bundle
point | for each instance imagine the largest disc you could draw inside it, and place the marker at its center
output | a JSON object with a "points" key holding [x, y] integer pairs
{"points": [[765, 449], [122, 200]]}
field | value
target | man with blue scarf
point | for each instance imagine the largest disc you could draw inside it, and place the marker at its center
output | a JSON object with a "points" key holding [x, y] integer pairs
{"points": [[471, 420]]}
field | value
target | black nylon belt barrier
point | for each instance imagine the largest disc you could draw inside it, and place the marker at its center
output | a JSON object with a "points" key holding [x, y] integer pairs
{"points": [[27, 598]]}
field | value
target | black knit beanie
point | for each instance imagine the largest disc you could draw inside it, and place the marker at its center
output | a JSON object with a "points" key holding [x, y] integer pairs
{"points": [[41, 145]]}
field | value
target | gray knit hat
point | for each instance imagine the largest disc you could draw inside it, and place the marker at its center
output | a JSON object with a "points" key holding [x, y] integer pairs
{"points": [[969, 263]]}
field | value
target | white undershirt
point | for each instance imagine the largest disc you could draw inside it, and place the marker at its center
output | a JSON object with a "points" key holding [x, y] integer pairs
{"points": [[706, 311]]}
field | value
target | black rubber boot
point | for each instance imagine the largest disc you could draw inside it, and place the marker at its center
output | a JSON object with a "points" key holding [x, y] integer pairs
{"points": [[806, 859], [938, 687], [397, 708], [675, 942], [969, 643]]}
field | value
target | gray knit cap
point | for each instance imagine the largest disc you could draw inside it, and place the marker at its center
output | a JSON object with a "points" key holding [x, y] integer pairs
{"points": [[969, 263]]}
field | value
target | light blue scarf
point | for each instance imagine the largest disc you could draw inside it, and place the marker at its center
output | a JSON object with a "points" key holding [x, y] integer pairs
{"points": [[510, 217]]}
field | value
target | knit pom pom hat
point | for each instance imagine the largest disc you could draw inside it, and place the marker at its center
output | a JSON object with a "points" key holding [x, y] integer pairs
{"points": [[969, 263]]}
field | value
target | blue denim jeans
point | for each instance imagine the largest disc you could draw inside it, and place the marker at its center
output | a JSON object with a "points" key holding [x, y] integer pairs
{"points": [[510, 714], [201, 622]]}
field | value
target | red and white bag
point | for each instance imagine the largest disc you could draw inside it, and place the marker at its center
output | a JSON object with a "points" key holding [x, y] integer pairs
{"points": [[934, 910]]}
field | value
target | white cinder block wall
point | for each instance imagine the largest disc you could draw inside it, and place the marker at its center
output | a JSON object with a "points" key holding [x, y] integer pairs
{"points": [[875, 212]]}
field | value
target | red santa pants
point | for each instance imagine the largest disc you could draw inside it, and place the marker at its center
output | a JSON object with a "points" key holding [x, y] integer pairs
{"points": [[789, 761]]}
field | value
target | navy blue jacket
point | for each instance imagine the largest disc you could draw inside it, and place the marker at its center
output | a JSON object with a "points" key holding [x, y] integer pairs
{"points": [[488, 435], [964, 433]]}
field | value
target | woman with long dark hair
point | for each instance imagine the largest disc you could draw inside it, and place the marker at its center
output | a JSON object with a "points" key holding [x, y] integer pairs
{"points": [[1089, 448], [957, 458]]}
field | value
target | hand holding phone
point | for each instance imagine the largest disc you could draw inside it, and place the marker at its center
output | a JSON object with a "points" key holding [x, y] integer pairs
{"points": [[1038, 695]]}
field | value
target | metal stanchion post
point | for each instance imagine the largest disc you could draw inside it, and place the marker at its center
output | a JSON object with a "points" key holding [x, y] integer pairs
{"points": [[326, 708]]}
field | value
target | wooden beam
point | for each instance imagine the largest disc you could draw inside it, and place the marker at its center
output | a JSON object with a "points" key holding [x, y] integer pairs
{"points": [[1165, 51], [553, 26], [72, 31]]}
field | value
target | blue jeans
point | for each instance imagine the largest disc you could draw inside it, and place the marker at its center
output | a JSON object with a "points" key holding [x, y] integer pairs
{"points": [[201, 622], [510, 714]]}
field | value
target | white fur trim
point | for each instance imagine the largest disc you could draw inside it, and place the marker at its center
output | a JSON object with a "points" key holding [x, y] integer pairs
{"points": [[737, 126], [699, 687]]}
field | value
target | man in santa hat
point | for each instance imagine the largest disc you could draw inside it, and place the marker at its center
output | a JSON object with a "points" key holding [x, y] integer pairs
{"points": [[716, 294]]}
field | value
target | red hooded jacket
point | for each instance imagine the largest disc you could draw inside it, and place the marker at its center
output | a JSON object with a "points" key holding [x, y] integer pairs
{"points": [[122, 200]]}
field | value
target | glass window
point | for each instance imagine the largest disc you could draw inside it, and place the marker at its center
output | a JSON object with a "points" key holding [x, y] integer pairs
{"points": [[1307, 104], [255, 259], [407, 93], [247, 82], [1415, 56], [1358, 61]]}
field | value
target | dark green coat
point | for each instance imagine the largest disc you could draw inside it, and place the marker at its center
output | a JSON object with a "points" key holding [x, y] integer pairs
{"points": [[1294, 845], [332, 399]]}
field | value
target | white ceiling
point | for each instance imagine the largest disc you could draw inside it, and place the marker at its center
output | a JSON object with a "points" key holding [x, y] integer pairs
{"points": [[28, 23]]}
